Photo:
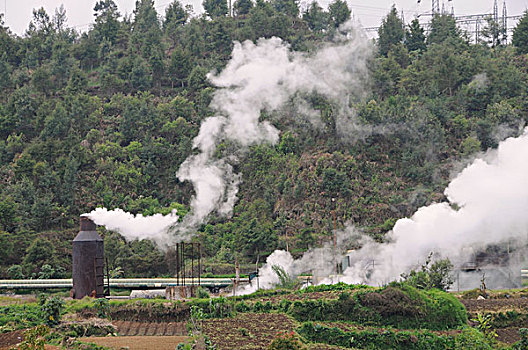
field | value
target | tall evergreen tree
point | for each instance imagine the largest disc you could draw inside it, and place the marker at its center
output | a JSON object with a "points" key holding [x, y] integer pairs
{"points": [[215, 8], [391, 32], [146, 32], [492, 32], [316, 17], [146, 39], [287, 7], [339, 12], [242, 7], [175, 18], [415, 38], [520, 34], [106, 21], [443, 27]]}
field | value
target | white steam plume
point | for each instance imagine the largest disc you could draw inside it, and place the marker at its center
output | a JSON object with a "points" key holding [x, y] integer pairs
{"points": [[320, 262], [263, 76], [133, 226], [488, 202], [487, 205]]}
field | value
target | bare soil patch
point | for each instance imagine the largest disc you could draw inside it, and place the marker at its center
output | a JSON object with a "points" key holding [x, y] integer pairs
{"points": [[133, 328], [138, 343], [275, 299], [246, 331], [9, 339], [495, 305], [508, 335]]}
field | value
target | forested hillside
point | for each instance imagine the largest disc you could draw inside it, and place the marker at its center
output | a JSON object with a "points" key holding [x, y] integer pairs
{"points": [[106, 117]]}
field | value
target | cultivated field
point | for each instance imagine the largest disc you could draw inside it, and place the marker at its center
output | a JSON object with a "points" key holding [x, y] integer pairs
{"points": [[326, 317]]}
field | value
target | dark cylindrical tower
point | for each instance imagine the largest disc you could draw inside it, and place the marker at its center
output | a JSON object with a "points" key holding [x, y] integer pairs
{"points": [[88, 262]]}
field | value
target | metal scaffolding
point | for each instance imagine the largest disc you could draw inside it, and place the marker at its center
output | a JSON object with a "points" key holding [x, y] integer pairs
{"points": [[188, 274]]}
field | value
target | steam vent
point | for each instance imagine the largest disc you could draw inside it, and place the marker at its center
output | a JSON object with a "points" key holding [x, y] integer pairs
{"points": [[88, 262]]}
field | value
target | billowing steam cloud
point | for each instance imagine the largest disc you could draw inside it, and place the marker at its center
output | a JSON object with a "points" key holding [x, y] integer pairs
{"points": [[320, 262], [134, 226], [262, 76], [487, 204]]}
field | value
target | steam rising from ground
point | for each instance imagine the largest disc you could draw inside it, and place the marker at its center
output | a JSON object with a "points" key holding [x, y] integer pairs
{"points": [[260, 77], [487, 204], [264, 76], [320, 262]]}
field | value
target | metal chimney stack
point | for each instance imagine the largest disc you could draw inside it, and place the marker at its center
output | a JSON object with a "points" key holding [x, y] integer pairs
{"points": [[88, 261]]}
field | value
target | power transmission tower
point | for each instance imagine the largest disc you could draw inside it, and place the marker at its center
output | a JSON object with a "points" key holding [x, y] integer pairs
{"points": [[504, 24], [496, 12], [435, 8]]}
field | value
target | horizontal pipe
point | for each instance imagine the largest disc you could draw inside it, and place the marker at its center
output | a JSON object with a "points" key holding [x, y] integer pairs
{"points": [[115, 283]]}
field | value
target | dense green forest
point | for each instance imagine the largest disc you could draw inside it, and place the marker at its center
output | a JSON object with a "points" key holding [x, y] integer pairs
{"points": [[106, 117]]}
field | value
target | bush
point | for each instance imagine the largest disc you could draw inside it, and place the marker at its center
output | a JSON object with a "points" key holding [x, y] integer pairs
{"points": [[23, 316], [286, 341], [203, 293], [436, 275], [334, 287], [375, 339], [214, 307], [471, 339], [102, 306], [398, 306], [35, 338], [51, 310], [523, 343]]}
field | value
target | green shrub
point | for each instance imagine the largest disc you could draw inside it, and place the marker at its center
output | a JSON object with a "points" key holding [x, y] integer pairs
{"points": [[432, 275], [242, 307], [334, 287], [375, 339], [286, 341], [508, 319], [102, 306], [284, 305], [523, 343], [35, 338], [203, 293], [51, 310], [23, 316], [397, 306], [471, 339]]}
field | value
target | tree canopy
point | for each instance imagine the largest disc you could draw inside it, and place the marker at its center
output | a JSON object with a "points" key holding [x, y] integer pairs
{"points": [[106, 118]]}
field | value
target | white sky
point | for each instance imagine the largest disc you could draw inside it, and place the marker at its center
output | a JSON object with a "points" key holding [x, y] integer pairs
{"points": [[80, 12]]}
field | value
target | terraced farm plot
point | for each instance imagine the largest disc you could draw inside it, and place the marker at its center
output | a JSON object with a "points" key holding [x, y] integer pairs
{"points": [[132, 328], [508, 315], [138, 343], [247, 331], [495, 305]]}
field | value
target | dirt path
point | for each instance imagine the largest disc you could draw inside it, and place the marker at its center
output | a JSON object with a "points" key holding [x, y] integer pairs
{"points": [[138, 343]]}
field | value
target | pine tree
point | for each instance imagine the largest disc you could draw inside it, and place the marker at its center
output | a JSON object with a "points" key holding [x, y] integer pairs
{"points": [[520, 34], [339, 12], [316, 17], [106, 21], [390, 32], [242, 7], [443, 27], [215, 8], [415, 38]]}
